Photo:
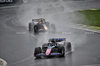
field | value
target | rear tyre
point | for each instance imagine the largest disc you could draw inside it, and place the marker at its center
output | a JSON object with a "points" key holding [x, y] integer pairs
{"points": [[30, 26], [37, 51], [62, 51], [53, 27], [68, 46]]}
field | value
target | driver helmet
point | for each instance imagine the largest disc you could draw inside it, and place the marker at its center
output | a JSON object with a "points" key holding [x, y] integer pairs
{"points": [[40, 20], [54, 42]]}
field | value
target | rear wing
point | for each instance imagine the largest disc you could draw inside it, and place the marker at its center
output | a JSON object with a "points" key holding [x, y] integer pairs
{"points": [[37, 20], [57, 39]]}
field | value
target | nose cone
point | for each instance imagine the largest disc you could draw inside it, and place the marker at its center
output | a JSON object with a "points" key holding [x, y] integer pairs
{"points": [[48, 51]]}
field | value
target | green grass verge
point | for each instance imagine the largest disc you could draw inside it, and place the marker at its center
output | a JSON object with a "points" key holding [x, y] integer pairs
{"points": [[89, 17]]}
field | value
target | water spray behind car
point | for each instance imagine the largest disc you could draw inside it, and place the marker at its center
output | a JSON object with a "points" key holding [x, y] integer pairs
{"points": [[59, 13]]}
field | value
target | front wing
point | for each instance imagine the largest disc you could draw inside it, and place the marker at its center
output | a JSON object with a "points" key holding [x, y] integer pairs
{"points": [[51, 54]]}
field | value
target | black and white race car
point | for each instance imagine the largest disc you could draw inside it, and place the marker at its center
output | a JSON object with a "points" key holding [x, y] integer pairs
{"points": [[53, 48], [40, 25]]}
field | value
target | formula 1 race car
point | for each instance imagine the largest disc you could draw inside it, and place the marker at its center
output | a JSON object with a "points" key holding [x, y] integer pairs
{"points": [[40, 25], [52, 48]]}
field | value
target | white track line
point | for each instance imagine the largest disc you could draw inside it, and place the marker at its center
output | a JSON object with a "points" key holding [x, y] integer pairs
{"points": [[86, 29], [21, 60]]}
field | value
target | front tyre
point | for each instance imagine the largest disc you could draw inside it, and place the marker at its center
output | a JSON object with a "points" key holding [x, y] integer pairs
{"points": [[35, 28], [37, 51]]}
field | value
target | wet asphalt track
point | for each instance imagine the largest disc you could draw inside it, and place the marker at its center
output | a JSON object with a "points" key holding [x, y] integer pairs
{"points": [[17, 44]]}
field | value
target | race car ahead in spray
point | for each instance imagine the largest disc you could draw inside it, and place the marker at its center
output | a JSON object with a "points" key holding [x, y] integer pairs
{"points": [[40, 25], [53, 48]]}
